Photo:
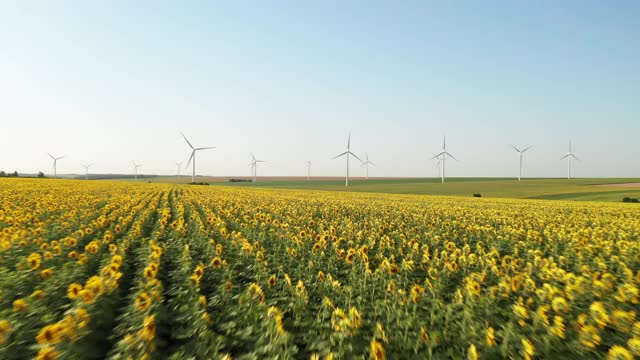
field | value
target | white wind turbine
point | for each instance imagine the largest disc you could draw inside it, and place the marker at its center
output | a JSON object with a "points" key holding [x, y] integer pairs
{"points": [[193, 156], [443, 156], [568, 156], [86, 170], [366, 164], [55, 164], [521, 152], [135, 169], [254, 167], [179, 164], [347, 153], [308, 170], [438, 164]]}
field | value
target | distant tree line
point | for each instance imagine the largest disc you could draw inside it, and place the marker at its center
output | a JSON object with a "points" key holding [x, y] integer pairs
{"points": [[4, 174]]}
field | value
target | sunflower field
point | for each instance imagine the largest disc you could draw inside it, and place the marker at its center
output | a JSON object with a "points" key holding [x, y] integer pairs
{"points": [[117, 270]]}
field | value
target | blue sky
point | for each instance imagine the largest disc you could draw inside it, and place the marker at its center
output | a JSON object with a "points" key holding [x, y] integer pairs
{"points": [[112, 81]]}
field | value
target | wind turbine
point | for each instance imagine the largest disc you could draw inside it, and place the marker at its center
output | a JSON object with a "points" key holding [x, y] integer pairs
{"points": [[308, 170], [254, 167], [179, 164], [55, 164], [444, 155], [193, 156], [366, 164], [521, 152], [135, 169], [438, 165], [347, 153], [86, 170], [568, 156]]}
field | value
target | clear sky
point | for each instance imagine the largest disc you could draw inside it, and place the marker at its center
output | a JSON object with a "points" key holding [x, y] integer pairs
{"points": [[114, 81]]}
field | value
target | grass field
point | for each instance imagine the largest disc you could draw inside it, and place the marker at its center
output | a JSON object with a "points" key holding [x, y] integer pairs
{"points": [[551, 189]]}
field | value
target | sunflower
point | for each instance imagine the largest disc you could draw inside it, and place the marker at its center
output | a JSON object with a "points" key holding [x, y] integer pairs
{"points": [[256, 292], [558, 327], [320, 276], [47, 353], [617, 352], [38, 294], [349, 258], [19, 305], [50, 334], [559, 304], [599, 314], [527, 349], [424, 335], [452, 266], [272, 281], [34, 260], [472, 353], [473, 288], [377, 351], [143, 301], [46, 273], [83, 317], [490, 336], [216, 262], [589, 336], [634, 346], [148, 331]]}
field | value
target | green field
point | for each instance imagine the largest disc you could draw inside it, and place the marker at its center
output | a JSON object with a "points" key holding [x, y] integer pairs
{"points": [[559, 189]]}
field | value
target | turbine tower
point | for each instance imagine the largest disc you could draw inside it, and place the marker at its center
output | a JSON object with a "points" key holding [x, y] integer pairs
{"points": [[254, 167], [308, 170], [135, 169], [521, 152], [193, 156], [443, 156], [366, 164], [179, 164], [568, 156], [86, 170], [347, 153], [55, 164]]}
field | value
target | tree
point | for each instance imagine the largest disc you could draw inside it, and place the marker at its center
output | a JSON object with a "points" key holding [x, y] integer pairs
{"points": [[40, 174], [3, 174]]}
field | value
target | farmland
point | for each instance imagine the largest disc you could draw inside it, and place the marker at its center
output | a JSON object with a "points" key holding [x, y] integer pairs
{"points": [[610, 190], [119, 270]]}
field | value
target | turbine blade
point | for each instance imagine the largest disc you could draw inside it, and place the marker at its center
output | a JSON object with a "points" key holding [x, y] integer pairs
{"points": [[337, 156], [516, 149], [185, 139], [51, 156], [193, 153], [575, 157], [355, 156], [527, 148], [372, 163], [439, 154], [453, 157], [205, 148], [564, 156]]}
